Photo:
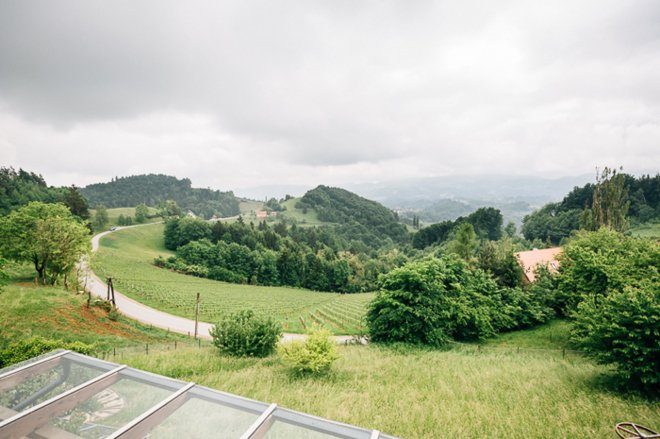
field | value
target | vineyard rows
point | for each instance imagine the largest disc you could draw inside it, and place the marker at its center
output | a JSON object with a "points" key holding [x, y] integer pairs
{"points": [[127, 257]]}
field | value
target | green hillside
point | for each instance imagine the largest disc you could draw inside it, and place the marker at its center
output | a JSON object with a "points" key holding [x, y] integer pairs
{"points": [[336, 205], [155, 188], [302, 216], [127, 255], [51, 312], [115, 212]]}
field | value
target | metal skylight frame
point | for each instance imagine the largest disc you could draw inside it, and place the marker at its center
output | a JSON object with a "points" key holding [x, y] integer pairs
{"points": [[38, 416]]}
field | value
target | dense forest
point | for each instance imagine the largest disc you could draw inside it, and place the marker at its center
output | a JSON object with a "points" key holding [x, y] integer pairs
{"points": [[153, 189], [556, 221], [487, 223], [311, 257], [18, 188], [357, 218]]}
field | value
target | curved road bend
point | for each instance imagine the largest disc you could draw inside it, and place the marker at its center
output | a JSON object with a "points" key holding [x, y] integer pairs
{"points": [[150, 316]]}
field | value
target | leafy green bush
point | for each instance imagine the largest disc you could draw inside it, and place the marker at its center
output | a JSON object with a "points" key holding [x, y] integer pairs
{"points": [[436, 300], [246, 334], [431, 301], [313, 356], [623, 329], [113, 314], [15, 352], [595, 263]]}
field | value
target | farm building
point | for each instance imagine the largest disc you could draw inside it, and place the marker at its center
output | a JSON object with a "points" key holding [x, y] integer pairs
{"points": [[67, 395], [530, 260]]}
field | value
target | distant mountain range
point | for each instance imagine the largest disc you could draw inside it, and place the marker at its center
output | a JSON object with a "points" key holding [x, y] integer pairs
{"points": [[447, 198]]}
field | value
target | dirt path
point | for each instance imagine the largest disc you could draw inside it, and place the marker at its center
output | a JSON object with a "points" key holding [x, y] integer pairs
{"points": [[150, 316]]}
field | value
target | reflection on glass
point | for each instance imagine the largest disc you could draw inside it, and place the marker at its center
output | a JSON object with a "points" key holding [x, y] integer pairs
{"points": [[198, 418], [64, 374], [111, 408]]}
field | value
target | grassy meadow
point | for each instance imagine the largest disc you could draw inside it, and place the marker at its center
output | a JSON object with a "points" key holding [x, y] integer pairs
{"points": [[127, 256], [113, 214], [495, 390], [648, 230], [249, 207], [303, 219]]}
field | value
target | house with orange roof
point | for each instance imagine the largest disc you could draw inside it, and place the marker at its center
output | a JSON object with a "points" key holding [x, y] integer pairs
{"points": [[530, 260]]}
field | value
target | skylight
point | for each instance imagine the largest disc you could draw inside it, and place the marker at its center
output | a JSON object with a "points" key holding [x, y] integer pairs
{"points": [[68, 395]]}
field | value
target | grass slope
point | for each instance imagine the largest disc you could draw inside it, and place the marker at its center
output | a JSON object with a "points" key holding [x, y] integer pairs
{"points": [[648, 230], [127, 256], [113, 214], [249, 207], [303, 219], [418, 393], [27, 310]]}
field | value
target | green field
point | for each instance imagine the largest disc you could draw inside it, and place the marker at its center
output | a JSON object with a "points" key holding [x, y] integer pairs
{"points": [[305, 219], [497, 391], [113, 214], [127, 256], [249, 207], [649, 230]]}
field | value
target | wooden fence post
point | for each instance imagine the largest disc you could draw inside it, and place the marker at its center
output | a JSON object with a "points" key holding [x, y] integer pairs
{"points": [[111, 292], [196, 315]]}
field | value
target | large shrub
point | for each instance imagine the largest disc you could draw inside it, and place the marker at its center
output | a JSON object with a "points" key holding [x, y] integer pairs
{"points": [[15, 352], [247, 334], [313, 356], [623, 329], [595, 263], [434, 300]]}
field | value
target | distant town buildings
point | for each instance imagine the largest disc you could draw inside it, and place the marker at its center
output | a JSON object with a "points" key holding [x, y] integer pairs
{"points": [[263, 214]]}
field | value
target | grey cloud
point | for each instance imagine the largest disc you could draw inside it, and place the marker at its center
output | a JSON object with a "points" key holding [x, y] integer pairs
{"points": [[460, 86]]}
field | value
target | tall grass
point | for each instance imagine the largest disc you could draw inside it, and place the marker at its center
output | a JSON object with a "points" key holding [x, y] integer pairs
{"points": [[419, 393]]}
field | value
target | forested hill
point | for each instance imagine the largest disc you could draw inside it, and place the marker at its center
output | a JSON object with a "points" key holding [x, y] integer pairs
{"points": [[336, 205], [154, 188], [18, 188], [555, 221]]}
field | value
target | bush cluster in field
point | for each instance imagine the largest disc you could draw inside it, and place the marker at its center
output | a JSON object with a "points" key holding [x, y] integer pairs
{"points": [[608, 284], [441, 299], [313, 356], [246, 334]]}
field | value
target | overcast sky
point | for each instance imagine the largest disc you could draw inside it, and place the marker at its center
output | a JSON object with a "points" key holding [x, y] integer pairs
{"points": [[245, 93]]}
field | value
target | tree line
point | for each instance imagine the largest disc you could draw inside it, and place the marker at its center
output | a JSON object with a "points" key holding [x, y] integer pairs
{"points": [[486, 222], [154, 189], [313, 258], [18, 188], [615, 200]]}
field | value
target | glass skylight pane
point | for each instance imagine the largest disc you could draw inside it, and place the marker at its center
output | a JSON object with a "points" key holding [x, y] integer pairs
{"points": [[198, 418], [42, 382], [111, 408], [283, 430], [289, 424]]}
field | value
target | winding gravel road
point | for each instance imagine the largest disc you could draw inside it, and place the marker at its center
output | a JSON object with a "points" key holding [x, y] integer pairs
{"points": [[150, 316]]}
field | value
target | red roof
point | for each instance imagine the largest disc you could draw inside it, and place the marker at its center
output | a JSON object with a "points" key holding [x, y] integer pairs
{"points": [[531, 259]]}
